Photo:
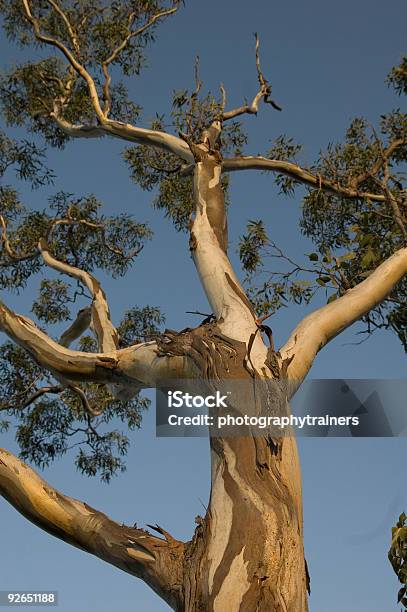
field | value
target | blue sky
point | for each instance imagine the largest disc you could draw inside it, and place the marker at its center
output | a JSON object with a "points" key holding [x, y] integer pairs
{"points": [[327, 63]]}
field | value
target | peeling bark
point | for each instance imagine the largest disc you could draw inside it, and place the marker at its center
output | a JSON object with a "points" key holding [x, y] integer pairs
{"points": [[157, 561], [247, 553]]}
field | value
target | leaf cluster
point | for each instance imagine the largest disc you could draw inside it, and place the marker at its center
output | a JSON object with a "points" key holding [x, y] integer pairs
{"points": [[77, 233], [100, 35], [352, 236], [284, 148], [49, 425], [398, 557], [27, 159]]}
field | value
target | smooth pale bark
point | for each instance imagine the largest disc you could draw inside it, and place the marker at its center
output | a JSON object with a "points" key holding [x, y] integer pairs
{"points": [[158, 561], [318, 328], [128, 132], [302, 175], [102, 325], [138, 366], [247, 552], [208, 244], [254, 558], [77, 328]]}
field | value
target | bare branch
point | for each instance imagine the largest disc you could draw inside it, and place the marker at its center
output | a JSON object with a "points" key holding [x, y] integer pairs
{"points": [[102, 325], [125, 131], [76, 130], [72, 365], [264, 93], [156, 560], [318, 328], [208, 244]]}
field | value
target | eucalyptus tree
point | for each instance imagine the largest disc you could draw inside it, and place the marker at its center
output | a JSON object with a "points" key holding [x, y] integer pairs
{"points": [[247, 551]]}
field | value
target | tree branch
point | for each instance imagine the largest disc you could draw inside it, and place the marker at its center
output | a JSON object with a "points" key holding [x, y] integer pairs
{"points": [[208, 244], [102, 325], [386, 154], [232, 164], [125, 131], [390, 199], [92, 412], [157, 561], [318, 328], [54, 389], [78, 327], [263, 93], [68, 25], [48, 40], [133, 368], [116, 52]]}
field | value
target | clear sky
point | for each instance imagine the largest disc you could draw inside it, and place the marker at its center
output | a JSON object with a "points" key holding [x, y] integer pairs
{"points": [[327, 63]]}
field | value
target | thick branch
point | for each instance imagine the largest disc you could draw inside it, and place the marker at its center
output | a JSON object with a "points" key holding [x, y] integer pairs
{"points": [[318, 328], [208, 243], [155, 560], [294, 171], [134, 367], [102, 325], [128, 132]]}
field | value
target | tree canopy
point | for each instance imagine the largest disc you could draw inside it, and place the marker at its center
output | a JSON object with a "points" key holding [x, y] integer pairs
{"points": [[76, 85]]}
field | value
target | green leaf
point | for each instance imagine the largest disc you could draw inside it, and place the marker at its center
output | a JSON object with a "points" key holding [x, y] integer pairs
{"points": [[368, 258], [332, 298]]}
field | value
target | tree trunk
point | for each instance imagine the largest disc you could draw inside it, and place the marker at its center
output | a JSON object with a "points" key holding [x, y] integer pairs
{"points": [[247, 554]]}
